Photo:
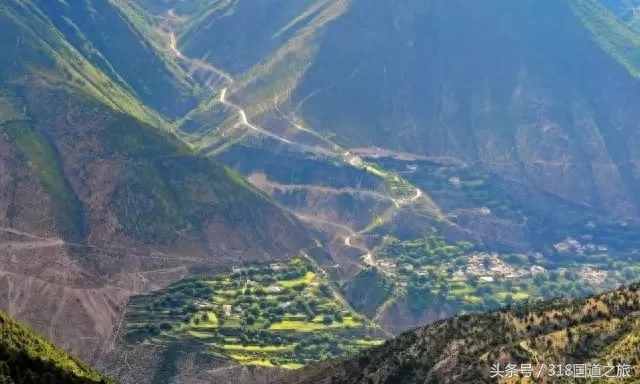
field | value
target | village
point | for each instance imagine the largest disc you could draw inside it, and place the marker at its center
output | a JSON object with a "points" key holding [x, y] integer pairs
{"points": [[488, 266]]}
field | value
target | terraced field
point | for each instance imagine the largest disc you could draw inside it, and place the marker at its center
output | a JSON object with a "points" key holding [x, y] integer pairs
{"points": [[286, 315]]}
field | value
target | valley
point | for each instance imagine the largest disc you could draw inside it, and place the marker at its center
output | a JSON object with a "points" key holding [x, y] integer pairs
{"points": [[234, 190], [496, 252]]}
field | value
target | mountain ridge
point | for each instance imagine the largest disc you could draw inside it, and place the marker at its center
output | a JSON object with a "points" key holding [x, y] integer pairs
{"points": [[597, 330]]}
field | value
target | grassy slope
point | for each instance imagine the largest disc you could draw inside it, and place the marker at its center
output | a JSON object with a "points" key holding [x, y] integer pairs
{"points": [[123, 51], [598, 330], [25, 354], [160, 182], [43, 51]]}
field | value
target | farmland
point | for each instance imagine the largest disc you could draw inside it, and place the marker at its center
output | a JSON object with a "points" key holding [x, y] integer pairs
{"points": [[286, 315]]}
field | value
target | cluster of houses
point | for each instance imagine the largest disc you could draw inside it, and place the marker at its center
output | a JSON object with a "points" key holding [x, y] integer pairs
{"points": [[354, 160], [571, 246], [593, 276], [487, 266]]}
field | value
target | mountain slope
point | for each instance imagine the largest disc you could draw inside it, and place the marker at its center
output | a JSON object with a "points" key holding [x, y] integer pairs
{"points": [[101, 34], [494, 82], [511, 125], [97, 201], [25, 357], [457, 80], [602, 329]]}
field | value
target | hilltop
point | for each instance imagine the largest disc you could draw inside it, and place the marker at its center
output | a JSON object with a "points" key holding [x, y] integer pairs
{"points": [[598, 330]]}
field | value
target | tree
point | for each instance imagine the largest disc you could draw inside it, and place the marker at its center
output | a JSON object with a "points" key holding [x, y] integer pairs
{"points": [[153, 329], [508, 299], [508, 285], [538, 280], [327, 320], [250, 319], [324, 290]]}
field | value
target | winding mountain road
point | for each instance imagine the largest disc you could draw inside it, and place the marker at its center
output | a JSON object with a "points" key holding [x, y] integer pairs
{"points": [[334, 149]]}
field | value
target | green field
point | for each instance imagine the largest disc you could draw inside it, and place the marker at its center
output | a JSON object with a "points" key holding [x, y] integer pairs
{"points": [[286, 316]]}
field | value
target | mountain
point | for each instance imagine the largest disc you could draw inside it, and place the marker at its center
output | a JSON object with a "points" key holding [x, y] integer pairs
{"points": [[495, 84], [429, 158], [25, 357], [598, 330], [510, 126], [98, 200]]}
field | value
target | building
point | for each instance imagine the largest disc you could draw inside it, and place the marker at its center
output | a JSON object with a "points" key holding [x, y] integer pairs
{"points": [[523, 273], [275, 267], [537, 270], [458, 275], [275, 289]]}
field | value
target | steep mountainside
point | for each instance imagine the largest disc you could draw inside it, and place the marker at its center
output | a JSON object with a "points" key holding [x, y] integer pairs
{"points": [[494, 83], [97, 202], [599, 330], [25, 357], [499, 83], [509, 125], [451, 156], [107, 39]]}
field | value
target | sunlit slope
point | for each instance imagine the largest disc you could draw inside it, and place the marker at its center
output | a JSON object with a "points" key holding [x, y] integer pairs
{"points": [[102, 34], [599, 330], [25, 356], [31, 45], [495, 83]]}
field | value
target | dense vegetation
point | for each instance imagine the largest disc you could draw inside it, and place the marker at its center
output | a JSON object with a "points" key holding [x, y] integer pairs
{"points": [[285, 315], [25, 357], [462, 278], [602, 329]]}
